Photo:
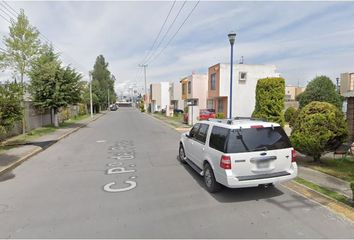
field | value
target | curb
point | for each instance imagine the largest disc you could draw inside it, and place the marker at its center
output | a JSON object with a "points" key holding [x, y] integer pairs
{"points": [[39, 149], [178, 129], [321, 199]]}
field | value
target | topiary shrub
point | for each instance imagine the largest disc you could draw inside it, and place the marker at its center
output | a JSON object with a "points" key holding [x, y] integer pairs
{"points": [[293, 119], [270, 96], [289, 114], [220, 115], [320, 89], [319, 127]]}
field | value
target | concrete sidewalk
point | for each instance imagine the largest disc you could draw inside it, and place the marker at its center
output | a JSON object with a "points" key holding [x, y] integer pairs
{"points": [[325, 180], [13, 157]]}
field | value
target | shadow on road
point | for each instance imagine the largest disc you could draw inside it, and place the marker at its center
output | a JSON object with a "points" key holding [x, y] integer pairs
{"points": [[227, 195]]}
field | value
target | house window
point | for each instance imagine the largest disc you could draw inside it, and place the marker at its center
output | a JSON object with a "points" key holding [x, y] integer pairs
{"points": [[243, 77], [189, 87], [210, 104], [213, 81]]}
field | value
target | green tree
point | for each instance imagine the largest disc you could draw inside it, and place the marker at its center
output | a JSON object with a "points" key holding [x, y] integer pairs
{"points": [[320, 89], [10, 106], [53, 86], [22, 46], [270, 96], [103, 82], [289, 114], [318, 128]]}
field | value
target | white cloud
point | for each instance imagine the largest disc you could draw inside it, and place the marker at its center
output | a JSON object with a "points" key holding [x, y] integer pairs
{"points": [[302, 38]]}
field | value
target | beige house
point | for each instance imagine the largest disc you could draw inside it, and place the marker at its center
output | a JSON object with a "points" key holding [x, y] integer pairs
{"points": [[346, 82], [195, 90], [176, 96], [291, 92]]}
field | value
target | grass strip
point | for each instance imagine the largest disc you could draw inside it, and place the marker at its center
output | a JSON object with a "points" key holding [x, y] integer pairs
{"points": [[329, 193]]}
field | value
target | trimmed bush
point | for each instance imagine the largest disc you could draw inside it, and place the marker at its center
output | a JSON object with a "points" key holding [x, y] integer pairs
{"points": [[320, 89], [270, 96], [289, 114], [220, 115], [319, 127]]}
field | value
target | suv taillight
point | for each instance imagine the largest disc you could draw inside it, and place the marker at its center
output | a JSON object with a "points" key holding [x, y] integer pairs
{"points": [[225, 162], [293, 155]]}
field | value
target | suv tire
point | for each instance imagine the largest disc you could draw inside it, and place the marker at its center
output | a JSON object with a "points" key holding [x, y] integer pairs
{"points": [[181, 154], [211, 184]]}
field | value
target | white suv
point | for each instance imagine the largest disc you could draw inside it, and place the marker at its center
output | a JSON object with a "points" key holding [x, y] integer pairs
{"points": [[238, 153]]}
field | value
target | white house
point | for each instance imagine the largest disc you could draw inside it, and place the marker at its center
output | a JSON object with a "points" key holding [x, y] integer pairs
{"points": [[159, 96]]}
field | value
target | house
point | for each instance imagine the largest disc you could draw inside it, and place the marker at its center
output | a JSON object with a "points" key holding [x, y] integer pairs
{"points": [[346, 82], [245, 77], [195, 90], [159, 96], [291, 92], [176, 96], [347, 91]]}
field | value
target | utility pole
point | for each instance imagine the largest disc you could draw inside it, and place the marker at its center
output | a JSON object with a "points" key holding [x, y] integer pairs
{"points": [[91, 107], [144, 66], [108, 102]]}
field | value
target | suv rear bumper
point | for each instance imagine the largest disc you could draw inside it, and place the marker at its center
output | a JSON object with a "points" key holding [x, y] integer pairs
{"points": [[255, 180]]}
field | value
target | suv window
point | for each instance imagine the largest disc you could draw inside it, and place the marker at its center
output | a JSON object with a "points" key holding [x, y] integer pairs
{"points": [[194, 130], [202, 133], [257, 139], [218, 138]]}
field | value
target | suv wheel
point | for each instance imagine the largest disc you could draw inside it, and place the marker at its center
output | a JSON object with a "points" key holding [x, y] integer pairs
{"points": [[209, 179], [182, 154]]}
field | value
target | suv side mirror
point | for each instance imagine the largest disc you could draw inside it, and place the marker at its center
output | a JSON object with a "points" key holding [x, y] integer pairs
{"points": [[187, 135]]}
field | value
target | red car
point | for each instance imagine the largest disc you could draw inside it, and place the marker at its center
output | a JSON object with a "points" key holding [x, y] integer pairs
{"points": [[205, 114]]}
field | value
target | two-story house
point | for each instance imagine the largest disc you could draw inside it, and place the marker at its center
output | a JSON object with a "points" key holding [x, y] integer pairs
{"points": [[159, 96], [245, 77], [195, 90], [176, 96]]}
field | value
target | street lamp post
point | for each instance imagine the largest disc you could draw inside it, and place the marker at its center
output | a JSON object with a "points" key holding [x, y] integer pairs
{"points": [[91, 107], [232, 37]]}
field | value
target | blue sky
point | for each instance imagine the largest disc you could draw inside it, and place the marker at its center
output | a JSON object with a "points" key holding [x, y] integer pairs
{"points": [[303, 39]]}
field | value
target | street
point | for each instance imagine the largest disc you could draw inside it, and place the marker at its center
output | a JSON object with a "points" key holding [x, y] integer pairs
{"points": [[119, 177]]}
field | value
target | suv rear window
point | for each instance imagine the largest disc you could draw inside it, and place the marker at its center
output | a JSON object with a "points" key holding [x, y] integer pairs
{"points": [[257, 139], [218, 138]]}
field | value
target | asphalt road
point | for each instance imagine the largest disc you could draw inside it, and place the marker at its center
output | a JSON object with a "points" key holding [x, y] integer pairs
{"points": [[66, 192]]}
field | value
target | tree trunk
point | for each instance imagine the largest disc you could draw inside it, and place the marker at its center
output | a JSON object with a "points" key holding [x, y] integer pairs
{"points": [[23, 106], [317, 158], [56, 121]]}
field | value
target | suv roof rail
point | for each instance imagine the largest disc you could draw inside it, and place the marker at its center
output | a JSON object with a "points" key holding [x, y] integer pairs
{"points": [[215, 120], [250, 118]]}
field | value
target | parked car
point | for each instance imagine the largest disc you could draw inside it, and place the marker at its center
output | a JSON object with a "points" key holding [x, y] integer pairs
{"points": [[177, 111], [205, 114], [113, 107], [238, 153]]}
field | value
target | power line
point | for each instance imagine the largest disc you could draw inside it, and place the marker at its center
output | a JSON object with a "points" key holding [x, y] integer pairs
{"points": [[43, 37], [158, 35], [13, 10], [7, 20], [185, 20], [6, 6], [5, 12], [168, 30]]}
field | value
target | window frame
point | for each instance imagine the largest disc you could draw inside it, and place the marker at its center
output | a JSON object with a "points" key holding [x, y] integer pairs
{"points": [[213, 81], [206, 133], [240, 79]]}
